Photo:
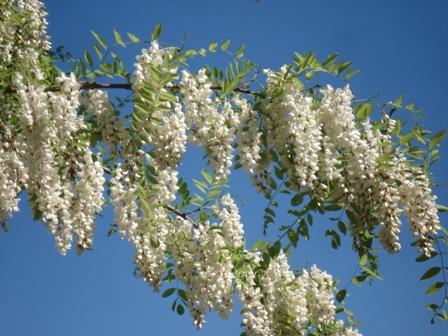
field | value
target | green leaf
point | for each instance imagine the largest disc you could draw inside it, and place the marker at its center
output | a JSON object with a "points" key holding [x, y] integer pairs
{"points": [[309, 218], [155, 243], [201, 185], [225, 45], [371, 272], [266, 260], [203, 217], [240, 262], [279, 173], [100, 39], [340, 296], [168, 292], [182, 294], [432, 272], [434, 288], [293, 237], [88, 58], [207, 176], [330, 60], [190, 53], [180, 309], [350, 74], [342, 227], [309, 75], [111, 232], [95, 137], [98, 51], [441, 208], [297, 200], [343, 66], [352, 217], [118, 38], [432, 306], [239, 53], [363, 259], [257, 244], [406, 138], [335, 241], [332, 207], [157, 31], [423, 257], [133, 38], [274, 250], [436, 138], [212, 46]]}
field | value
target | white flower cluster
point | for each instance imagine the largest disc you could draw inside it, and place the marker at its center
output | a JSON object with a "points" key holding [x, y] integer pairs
{"points": [[209, 127], [319, 143], [248, 136], [21, 42], [169, 139], [164, 128], [64, 184], [13, 175], [278, 298], [298, 133], [323, 143], [203, 258], [113, 129], [319, 294], [373, 189], [419, 207], [140, 215], [141, 219]]}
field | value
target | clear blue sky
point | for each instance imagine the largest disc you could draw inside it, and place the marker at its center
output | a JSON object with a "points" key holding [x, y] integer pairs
{"points": [[401, 48]]}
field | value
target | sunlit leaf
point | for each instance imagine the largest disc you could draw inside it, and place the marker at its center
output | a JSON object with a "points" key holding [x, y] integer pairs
{"points": [[225, 45], [88, 58], [212, 46], [157, 31], [118, 38], [99, 39], [133, 38], [240, 51], [434, 288]]}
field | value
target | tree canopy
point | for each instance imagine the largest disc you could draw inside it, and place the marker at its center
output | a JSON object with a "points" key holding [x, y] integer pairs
{"points": [[309, 148]]}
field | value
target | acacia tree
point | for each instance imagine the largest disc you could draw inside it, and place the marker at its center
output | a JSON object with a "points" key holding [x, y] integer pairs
{"points": [[73, 151]]}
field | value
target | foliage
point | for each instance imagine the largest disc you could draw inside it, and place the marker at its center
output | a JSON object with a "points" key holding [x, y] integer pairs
{"points": [[74, 151]]}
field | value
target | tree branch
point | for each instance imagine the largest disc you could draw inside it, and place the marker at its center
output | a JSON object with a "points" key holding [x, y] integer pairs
{"points": [[124, 86]]}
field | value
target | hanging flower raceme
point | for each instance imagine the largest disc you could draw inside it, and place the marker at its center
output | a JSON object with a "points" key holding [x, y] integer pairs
{"points": [[203, 260], [357, 179], [420, 208], [209, 127], [113, 129], [23, 36], [51, 142], [278, 298], [157, 143], [13, 175], [248, 135]]}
